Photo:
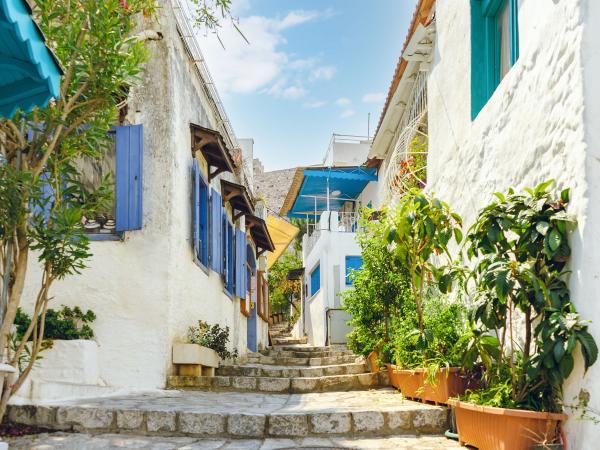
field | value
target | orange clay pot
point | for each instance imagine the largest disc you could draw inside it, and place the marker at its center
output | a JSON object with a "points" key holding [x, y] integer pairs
{"points": [[373, 359], [490, 428], [413, 384]]}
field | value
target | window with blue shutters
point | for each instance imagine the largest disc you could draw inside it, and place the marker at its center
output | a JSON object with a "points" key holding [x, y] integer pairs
{"points": [[228, 254], [315, 280], [216, 232], [200, 214], [129, 151], [494, 47], [240, 264], [353, 263]]}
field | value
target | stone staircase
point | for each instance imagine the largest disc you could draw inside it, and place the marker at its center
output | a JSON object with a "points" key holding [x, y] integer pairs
{"points": [[289, 370], [287, 392], [280, 335]]}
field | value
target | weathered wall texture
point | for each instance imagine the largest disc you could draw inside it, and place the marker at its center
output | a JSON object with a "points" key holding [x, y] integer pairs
{"points": [[146, 291], [535, 127], [272, 186]]}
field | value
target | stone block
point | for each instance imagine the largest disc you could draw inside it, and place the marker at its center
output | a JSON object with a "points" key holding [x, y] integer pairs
{"points": [[330, 423], [400, 420], [332, 370], [246, 425], [195, 354], [430, 420], [202, 423], [40, 416], [367, 421], [304, 384], [367, 379], [288, 425], [222, 382], [274, 384], [130, 419], [339, 383], [84, 418], [244, 383], [161, 421]]}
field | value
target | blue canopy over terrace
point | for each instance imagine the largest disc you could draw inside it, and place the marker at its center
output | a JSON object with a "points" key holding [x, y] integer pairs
{"points": [[29, 72], [318, 189]]}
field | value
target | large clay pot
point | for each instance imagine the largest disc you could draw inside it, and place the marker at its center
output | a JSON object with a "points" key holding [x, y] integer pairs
{"points": [[489, 428], [413, 384], [373, 360]]}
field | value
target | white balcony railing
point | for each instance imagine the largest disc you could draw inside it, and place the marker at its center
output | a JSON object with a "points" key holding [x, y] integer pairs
{"points": [[337, 222], [407, 163]]}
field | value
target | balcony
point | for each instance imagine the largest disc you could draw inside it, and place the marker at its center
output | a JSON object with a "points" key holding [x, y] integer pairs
{"points": [[332, 221]]}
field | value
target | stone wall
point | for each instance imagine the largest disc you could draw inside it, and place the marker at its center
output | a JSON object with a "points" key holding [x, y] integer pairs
{"points": [[273, 186]]}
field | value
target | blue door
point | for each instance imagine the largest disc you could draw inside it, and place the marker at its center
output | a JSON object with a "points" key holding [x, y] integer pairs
{"points": [[252, 284]]}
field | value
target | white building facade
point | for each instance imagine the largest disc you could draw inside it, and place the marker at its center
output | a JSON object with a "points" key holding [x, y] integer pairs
{"points": [[193, 245], [514, 118]]}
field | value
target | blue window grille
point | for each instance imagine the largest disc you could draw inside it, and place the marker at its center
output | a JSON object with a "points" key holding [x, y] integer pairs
{"points": [[494, 47], [353, 263], [315, 280]]}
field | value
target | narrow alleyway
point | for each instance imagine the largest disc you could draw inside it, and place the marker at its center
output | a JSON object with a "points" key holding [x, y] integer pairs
{"points": [[292, 396]]}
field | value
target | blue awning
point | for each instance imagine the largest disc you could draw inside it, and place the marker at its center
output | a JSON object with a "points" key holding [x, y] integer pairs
{"points": [[344, 184], [29, 72]]}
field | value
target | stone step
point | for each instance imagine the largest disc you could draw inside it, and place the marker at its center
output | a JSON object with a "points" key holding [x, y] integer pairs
{"points": [[380, 412], [305, 354], [258, 370], [284, 385], [289, 341], [325, 361], [310, 348]]}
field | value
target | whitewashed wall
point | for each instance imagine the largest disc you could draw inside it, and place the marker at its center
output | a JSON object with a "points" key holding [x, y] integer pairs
{"points": [[541, 123], [146, 291], [330, 250]]}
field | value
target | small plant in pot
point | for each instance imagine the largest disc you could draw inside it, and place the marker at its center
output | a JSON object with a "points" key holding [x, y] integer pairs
{"points": [[419, 233], [524, 328]]}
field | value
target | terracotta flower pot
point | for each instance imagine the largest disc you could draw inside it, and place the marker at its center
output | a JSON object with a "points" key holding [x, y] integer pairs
{"points": [[373, 359], [490, 428], [413, 384]]}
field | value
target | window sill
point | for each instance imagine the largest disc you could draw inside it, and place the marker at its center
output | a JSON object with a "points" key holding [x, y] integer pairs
{"points": [[202, 266], [314, 295], [99, 237]]}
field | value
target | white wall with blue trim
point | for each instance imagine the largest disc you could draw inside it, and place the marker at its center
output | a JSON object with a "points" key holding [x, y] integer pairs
{"points": [[540, 122], [147, 289]]}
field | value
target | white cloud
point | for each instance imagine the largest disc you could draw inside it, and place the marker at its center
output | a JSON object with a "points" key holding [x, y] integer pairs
{"points": [[374, 97], [263, 65], [347, 113], [315, 104], [343, 101], [322, 73]]}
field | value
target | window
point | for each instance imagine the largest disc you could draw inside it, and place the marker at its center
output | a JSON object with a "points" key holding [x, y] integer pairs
{"points": [[494, 47], [216, 232], [315, 280], [352, 263], [228, 254], [124, 159], [200, 214]]}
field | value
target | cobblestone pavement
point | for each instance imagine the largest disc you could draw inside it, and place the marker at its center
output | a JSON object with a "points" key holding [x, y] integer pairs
{"points": [[74, 441], [249, 402]]}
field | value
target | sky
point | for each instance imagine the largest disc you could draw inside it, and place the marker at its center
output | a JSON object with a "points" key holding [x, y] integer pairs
{"points": [[311, 68]]}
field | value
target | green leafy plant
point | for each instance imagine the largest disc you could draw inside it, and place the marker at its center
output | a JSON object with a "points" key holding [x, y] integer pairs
{"points": [[281, 289], [214, 337], [379, 289], [419, 231], [42, 202], [65, 324], [520, 248]]}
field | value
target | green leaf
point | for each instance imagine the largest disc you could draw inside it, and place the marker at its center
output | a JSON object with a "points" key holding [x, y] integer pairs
{"points": [[542, 227], [588, 347], [566, 366], [445, 283], [502, 285], [565, 195], [559, 351], [458, 236], [554, 240]]}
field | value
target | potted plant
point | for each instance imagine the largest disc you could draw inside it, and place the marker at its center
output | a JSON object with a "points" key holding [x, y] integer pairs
{"points": [[524, 328], [418, 233]]}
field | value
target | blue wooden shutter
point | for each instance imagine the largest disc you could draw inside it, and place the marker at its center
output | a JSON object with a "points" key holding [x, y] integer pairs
{"points": [[203, 222], [128, 179], [230, 256], [240, 263], [215, 230], [352, 263], [196, 207], [315, 280]]}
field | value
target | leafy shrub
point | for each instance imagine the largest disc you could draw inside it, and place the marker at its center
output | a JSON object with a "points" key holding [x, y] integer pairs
{"points": [[213, 337], [378, 290], [65, 324]]}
